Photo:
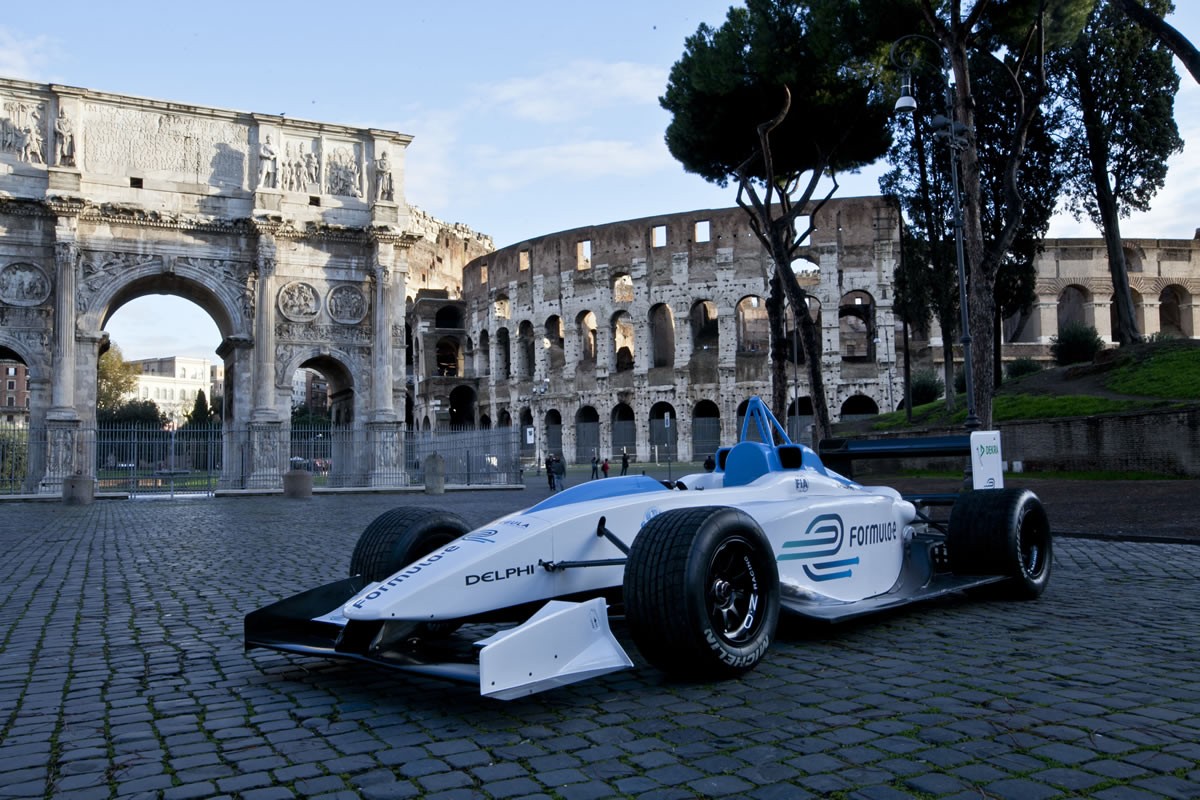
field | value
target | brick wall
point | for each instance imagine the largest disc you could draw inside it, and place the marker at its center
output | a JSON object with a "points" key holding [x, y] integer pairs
{"points": [[1161, 442], [1164, 442]]}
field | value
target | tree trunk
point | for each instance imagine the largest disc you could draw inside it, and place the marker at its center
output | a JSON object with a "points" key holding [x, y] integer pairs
{"points": [[779, 343], [1175, 41], [1106, 202], [948, 370]]}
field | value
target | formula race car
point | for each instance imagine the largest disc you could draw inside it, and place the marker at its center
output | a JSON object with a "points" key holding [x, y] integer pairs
{"points": [[700, 568]]}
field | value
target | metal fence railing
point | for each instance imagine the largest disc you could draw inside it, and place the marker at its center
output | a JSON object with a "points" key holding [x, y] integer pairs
{"points": [[202, 459]]}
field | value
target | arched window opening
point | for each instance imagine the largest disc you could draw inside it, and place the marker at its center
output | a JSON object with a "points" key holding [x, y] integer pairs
{"points": [[585, 325], [449, 358], [753, 329], [662, 336], [623, 341], [856, 326], [703, 318]]}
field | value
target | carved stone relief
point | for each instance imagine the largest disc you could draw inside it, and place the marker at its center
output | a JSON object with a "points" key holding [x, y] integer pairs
{"points": [[23, 131], [122, 139], [342, 175], [268, 165], [308, 332], [24, 285], [101, 268], [299, 168], [29, 326], [346, 304], [384, 188], [299, 302], [231, 273], [64, 136]]}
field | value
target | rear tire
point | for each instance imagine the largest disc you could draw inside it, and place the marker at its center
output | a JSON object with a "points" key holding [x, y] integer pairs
{"points": [[399, 537], [702, 592], [1002, 532]]}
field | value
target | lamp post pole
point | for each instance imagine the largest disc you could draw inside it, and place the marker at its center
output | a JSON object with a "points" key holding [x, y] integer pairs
{"points": [[954, 133]]}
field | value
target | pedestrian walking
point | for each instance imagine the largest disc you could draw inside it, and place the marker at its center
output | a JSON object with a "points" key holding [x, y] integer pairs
{"points": [[595, 468], [604, 467], [709, 464], [550, 471], [560, 473], [624, 463]]}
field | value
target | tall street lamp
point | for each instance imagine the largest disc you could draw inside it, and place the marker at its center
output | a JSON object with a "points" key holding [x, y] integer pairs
{"points": [[947, 129]]}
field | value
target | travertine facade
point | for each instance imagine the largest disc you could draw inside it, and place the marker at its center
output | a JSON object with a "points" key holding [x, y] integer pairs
{"points": [[647, 336], [1074, 284]]}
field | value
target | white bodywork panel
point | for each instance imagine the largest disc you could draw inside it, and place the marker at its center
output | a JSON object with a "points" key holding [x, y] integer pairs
{"points": [[563, 643], [839, 541]]}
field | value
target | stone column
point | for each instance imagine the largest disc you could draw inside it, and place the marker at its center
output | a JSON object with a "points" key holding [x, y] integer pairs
{"points": [[382, 311], [1102, 319], [1151, 318], [264, 333], [66, 259], [63, 435], [1047, 317], [383, 427], [265, 428]]}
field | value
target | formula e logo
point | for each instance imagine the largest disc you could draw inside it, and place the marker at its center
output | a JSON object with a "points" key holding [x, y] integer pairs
{"points": [[484, 536], [819, 548]]}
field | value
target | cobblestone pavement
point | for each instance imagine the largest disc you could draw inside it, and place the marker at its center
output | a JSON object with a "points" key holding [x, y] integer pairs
{"points": [[122, 675]]}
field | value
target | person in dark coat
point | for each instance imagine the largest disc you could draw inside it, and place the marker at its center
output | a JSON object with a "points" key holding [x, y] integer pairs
{"points": [[560, 473]]}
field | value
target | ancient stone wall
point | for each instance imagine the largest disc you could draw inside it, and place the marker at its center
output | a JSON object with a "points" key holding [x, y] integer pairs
{"points": [[289, 233], [619, 337]]}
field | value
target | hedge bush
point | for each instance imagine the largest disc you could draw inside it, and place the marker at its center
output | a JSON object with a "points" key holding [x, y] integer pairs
{"points": [[1075, 343]]}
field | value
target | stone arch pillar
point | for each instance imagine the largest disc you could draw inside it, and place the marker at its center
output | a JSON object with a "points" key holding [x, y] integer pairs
{"points": [[264, 333], [1151, 322], [1102, 314], [604, 347], [64, 446], [265, 427], [1047, 315]]}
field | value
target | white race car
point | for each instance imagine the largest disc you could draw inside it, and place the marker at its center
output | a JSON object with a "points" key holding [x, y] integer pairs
{"points": [[700, 569]]}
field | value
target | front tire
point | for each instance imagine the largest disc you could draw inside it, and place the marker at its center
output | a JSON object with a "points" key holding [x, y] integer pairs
{"points": [[1002, 532], [399, 537], [702, 592]]}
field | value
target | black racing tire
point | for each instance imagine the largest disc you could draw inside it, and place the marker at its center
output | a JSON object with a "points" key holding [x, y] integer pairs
{"points": [[1002, 532], [702, 592], [399, 537]]}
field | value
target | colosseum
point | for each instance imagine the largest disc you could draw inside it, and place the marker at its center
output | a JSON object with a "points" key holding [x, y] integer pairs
{"points": [[647, 337]]}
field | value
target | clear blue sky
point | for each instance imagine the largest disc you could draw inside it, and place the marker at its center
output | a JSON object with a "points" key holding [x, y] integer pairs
{"points": [[528, 117]]}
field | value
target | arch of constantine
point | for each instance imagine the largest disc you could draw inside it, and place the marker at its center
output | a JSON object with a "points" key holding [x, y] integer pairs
{"points": [[292, 235]]}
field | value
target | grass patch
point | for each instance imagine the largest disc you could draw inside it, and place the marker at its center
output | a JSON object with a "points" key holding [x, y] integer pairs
{"points": [[1029, 406], [1010, 407], [1167, 371]]}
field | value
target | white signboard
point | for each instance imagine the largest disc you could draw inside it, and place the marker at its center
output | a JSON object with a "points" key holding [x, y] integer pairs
{"points": [[987, 470]]}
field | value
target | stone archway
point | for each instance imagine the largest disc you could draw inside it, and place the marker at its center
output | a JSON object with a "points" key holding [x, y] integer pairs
{"points": [[286, 232]]}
